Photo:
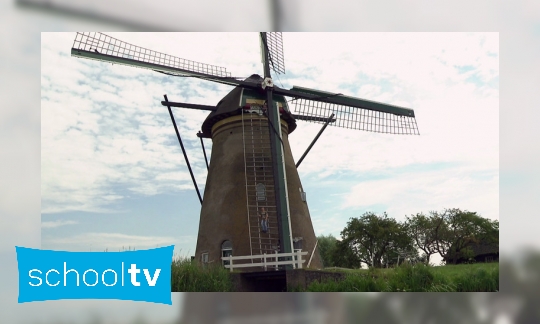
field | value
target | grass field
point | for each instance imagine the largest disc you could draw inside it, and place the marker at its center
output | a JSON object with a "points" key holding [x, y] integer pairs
{"points": [[190, 277], [418, 278]]}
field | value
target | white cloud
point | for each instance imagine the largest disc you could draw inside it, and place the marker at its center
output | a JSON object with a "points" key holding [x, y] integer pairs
{"points": [[57, 223], [103, 126], [113, 242]]}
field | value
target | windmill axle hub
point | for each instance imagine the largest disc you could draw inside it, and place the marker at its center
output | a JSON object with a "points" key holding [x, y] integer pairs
{"points": [[267, 82]]}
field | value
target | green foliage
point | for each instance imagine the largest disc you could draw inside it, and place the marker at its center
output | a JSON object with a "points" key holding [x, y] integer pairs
{"points": [[327, 249], [379, 241], [468, 254], [189, 276], [335, 253], [344, 256], [457, 229], [479, 280], [375, 239], [416, 278], [407, 277], [421, 230], [353, 282]]}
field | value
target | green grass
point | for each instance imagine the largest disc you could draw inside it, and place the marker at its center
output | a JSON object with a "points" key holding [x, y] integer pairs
{"points": [[454, 271], [417, 278], [189, 276], [353, 282]]}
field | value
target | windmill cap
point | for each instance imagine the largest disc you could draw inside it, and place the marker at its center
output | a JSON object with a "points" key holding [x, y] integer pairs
{"points": [[231, 105]]}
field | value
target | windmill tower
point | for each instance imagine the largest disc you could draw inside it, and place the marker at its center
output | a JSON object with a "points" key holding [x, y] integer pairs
{"points": [[240, 182], [252, 175]]}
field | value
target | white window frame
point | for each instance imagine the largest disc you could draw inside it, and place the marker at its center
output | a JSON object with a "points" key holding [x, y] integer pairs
{"points": [[225, 262], [260, 194]]}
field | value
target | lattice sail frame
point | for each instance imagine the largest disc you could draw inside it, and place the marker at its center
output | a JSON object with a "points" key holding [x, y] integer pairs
{"points": [[274, 41], [107, 45], [356, 118]]}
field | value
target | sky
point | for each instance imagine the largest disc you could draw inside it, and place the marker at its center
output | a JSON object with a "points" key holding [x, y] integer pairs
{"points": [[113, 176]]}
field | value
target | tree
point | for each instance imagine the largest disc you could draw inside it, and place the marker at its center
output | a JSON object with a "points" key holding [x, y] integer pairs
{"points": [[373, 239], [456, 229], [421, 230], [394, 257], [327, 249], [344, 256]]}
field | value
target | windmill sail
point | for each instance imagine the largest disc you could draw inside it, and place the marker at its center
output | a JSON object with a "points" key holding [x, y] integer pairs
{"points": [[350, 112], [274, 43], [101, 47]]}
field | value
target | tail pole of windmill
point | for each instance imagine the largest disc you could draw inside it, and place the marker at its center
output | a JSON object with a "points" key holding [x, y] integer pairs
{"points": [[254, 213]]}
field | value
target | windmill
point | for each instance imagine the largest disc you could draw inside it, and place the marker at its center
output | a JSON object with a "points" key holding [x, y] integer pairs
{"points": [[254, 202]]}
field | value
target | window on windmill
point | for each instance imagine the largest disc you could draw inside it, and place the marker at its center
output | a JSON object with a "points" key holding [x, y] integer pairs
{"points": [[204, 258], [261, 192], [226, 250], [297, 243], [258, 109], [302, 194]]}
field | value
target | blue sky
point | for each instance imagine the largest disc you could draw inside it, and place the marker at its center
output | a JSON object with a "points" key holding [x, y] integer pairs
{"points": [[113, 175]]}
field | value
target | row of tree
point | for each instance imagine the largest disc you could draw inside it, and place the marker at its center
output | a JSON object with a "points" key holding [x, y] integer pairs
{"points": [[381, 241]]}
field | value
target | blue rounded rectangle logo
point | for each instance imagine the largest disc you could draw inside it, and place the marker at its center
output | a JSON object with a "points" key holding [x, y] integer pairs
{"points": [[143, 275]]}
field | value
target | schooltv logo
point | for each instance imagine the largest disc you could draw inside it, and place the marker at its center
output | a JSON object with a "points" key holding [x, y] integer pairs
{"points": [[143, 275]]}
